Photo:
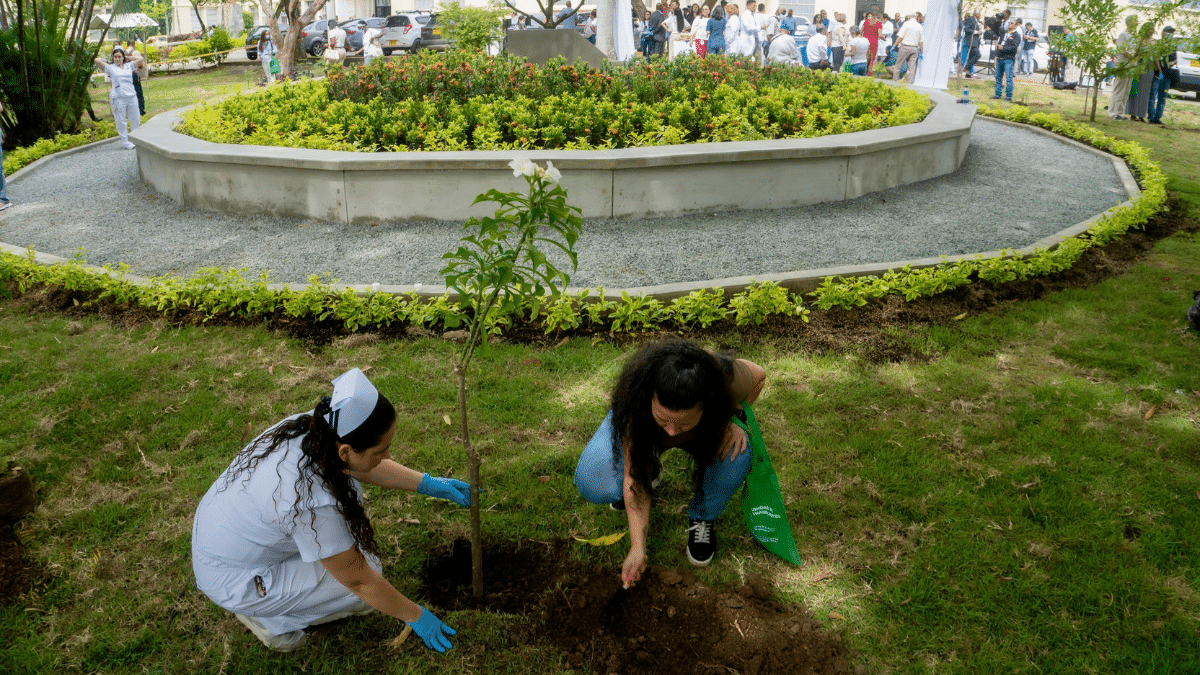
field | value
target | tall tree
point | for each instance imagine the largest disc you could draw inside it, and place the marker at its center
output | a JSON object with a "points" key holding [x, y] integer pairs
{"points": [[290, 46]]}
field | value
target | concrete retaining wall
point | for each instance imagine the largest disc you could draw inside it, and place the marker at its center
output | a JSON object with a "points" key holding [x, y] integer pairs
{"points": [[366, 188]]}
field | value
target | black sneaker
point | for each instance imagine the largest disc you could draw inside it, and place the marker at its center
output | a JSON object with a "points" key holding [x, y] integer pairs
{"points": [[702, 541], [618, 505]]}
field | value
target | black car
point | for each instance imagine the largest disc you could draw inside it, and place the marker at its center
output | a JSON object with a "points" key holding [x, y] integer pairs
{"points": [[432, 37], [252, 39]]}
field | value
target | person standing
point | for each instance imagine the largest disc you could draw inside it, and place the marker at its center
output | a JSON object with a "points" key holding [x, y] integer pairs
{"points": [[122, 97], [971, 31], [1125, 54], [860, 49], [140, 75], [657, 30], [589, 27], [1006, 54], [372, 47], [1028, 42], [566, 18], [911, 41], [751, 32], [337, 40], [281, 538], [5, 202], [872, 30], [671, 394], [266, 52], [837, 46], [716, 32], [1164, 68], [787, 23], [700, 30]]}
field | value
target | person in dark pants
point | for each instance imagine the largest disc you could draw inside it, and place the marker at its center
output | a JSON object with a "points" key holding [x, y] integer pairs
{"points": [[1163, 68], [1006, 57], [133, 54], [972, 31], [657, 31]]}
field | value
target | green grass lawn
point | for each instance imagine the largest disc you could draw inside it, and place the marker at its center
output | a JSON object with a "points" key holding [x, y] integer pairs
{"points": [[1027, 501]]}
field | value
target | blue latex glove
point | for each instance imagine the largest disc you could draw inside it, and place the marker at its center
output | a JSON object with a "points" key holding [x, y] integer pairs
{"points": [[446, 488], [435, 633]]}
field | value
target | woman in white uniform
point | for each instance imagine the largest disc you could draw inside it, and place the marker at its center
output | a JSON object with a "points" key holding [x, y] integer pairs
{"points": [[123, 96], [281, 539]]}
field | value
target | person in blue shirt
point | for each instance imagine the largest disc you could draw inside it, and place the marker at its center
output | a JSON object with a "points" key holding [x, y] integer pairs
{"points": [[788, 23], [566, 18]]}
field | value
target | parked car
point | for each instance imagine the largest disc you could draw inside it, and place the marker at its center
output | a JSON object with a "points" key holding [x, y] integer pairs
{"points": [[1189, 72], [252, 39], [432, 37], [315, 36], [356, 27], [403, 32]]}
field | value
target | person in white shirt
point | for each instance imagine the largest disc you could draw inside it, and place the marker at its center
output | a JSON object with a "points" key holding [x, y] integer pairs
{"points": [[860, 47], [750, 29], [371, 44], [887, 33], [266, 51], [782, 51], [837, 51], [281, 538], [700, 31], [337, 40], [818, 49], [911, 42]]}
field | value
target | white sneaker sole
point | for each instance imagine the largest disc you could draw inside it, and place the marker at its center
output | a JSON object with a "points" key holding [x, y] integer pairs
{"points": [[280, 643]]}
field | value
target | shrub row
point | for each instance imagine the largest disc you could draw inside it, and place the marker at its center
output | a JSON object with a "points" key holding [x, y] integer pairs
{"points": [[22, 157], [227, 293], [459, 100]]}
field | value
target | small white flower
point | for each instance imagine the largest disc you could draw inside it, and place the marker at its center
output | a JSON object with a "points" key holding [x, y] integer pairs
{"points": [[523, 166], [552, 173]]}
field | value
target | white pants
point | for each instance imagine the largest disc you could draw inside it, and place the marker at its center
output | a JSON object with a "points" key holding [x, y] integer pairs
{"points": [[266, 64], [125, 109], [300, 594]]}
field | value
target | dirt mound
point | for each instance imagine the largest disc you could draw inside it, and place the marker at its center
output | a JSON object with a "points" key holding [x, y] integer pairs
{"points": [[668, 623]]}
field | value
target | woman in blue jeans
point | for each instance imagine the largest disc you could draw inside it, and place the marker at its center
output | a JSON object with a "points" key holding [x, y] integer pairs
{"points": [[671, 395]]}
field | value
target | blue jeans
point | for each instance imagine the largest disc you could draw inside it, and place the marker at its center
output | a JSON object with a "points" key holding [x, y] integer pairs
{"points": [[1158, 100], [858, 68], [964, 55], [601, 480], [1004, 66], [1025, 56]]}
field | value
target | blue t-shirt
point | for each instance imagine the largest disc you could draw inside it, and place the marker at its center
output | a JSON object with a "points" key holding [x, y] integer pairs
{"points": [[788, 23]]}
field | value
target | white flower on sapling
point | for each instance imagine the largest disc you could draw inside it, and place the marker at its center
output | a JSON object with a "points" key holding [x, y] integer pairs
{"points": [[551, 172], [523, 166]]}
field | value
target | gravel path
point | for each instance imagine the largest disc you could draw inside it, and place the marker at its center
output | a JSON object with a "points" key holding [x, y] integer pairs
{"points": [[1014, 188]]}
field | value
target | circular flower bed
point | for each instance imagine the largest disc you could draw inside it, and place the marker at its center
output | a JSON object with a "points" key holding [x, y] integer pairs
{"points": [[462, 101]]}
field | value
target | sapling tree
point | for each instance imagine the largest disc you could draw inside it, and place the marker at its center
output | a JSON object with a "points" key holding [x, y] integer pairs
{"points": [[1088, 40], [500, 268]]}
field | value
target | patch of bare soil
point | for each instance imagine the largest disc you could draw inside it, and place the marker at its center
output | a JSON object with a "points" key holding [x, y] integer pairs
{"points": [[18, 498], [667, 624], [875, 331]]}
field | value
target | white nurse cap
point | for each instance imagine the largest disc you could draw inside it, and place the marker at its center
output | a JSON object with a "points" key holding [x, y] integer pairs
{"points": [[354, 398]]}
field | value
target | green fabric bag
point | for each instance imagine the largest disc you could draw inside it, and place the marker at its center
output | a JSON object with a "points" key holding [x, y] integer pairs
{"points": [[762, 503], [274, 65]]}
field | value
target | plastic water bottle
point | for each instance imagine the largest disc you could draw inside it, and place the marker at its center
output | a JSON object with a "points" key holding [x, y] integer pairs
{"points": [[966, 92]]}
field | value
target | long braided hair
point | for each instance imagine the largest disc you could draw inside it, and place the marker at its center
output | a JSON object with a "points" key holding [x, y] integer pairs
{"points": [[320, 462]]}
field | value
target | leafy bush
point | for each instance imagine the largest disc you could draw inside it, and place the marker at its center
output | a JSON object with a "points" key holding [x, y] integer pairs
{"points": [[460, 100], [21, 157], [472, 28]]}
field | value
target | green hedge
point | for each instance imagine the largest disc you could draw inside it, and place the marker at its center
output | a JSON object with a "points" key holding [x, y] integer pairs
{"points": [[459, 100], [22, 157], [227, 293]]}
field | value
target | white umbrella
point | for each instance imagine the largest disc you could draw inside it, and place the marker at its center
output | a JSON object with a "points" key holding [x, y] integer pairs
{"points": [[133, 20]]}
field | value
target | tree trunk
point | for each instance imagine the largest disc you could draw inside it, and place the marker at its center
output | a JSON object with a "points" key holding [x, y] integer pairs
{"points": [[473, 463]]}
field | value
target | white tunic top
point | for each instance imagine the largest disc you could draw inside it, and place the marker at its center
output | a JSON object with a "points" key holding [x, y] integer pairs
{"points": [[247, 528], [122, 80]]}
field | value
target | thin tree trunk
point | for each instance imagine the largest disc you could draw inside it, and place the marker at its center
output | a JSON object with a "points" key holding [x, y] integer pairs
{"points": [[473, 462]]}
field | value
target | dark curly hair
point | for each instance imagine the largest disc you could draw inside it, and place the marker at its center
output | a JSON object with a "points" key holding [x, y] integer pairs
{"points": [[683, 375], [321, 462]]}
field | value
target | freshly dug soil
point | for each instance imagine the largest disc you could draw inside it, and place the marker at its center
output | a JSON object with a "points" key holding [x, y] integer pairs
{"points": [[667, 624]]}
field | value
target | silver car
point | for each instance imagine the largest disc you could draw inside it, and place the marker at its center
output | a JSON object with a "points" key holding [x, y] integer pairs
{"points": [[402, 32]]}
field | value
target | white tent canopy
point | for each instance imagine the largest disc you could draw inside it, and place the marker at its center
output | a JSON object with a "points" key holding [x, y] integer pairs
{"points": [[134, 20]]}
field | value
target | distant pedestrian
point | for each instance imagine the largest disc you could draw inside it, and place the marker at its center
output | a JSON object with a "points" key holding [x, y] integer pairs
{"points": [[567, 17], [266, 53], [1028, 42], [4, 200], [911, 41], [1164, 72], [140, 75], [860, 50]]}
